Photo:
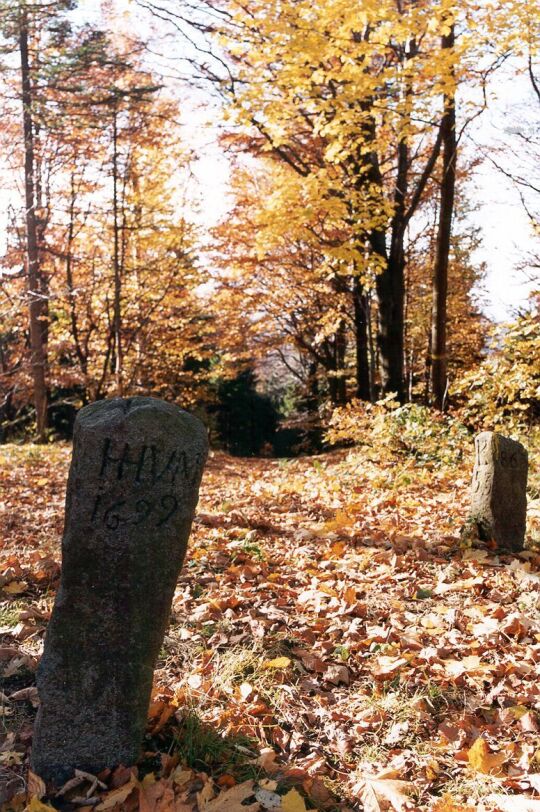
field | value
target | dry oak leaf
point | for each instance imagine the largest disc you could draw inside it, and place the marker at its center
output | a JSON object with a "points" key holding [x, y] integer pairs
{"points": [[387, 666], [232, 800], [36, 805], [534, 781], [205, 795], [35, 785], [515, 803], [529, 722], [117, 796], [181, 776], [226, 780], [468, 665], [156, 796], [482, 760], [245, 689], [337, 674], [16, 588], [447, 804], [293, 802], [8, 652], [458, 586], [26, 695], [267, 798], [278, 662], [374, 789], [267, 760], [310, 661]]}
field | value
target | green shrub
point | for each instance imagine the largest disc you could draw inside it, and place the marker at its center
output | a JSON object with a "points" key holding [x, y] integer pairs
{"points": [[503, 393], [410, 430]]}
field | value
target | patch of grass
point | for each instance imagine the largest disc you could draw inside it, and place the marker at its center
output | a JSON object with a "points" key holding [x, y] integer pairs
{"points": [[15, 715], [417, 710], [200, 746], [252, 550], [248, 546], [529, 603], [399, 705], [471, 787], [370, 754], [237, 665], [440, 702], [9, 613]]}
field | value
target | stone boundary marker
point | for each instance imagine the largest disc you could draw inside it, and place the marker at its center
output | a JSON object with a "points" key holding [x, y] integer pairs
{"points": [[499, 490], [131, 496]]}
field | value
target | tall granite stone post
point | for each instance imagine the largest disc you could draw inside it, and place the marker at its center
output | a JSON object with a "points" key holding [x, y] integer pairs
{"points": [[131, 496], [499, 490]]}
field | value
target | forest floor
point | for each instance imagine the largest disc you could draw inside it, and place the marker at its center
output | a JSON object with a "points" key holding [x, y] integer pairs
{"points": [[336, 643]]}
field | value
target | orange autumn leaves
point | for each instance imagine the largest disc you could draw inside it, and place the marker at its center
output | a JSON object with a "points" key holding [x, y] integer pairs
{"points": [[366, 662], [482, 760]]}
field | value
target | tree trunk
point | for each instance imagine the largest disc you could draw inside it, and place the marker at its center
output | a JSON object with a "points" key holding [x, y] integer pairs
{"points": [[312, 399], [427, 372], [391, 286], [335, 367], [41, 225], [372, 355], [390, 289], [361, 315], [389, 281], [117, 307], [340, 350], [37, 306], [79, 351], [442, 250]]}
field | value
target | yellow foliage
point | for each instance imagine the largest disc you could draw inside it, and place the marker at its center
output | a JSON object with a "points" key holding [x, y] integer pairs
{"points": [[482, 760], [293, 802], [36, 805], [278, 662]]}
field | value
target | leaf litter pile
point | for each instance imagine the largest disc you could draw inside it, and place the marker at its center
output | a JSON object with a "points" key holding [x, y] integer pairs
{"points": [[336, 643]]}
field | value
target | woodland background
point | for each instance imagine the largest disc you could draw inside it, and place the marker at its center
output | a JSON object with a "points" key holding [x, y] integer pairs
{"points": [[345, 269]]}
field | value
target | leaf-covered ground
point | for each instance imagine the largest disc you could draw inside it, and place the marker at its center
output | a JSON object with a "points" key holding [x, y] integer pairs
{"points": [[335, 643]]}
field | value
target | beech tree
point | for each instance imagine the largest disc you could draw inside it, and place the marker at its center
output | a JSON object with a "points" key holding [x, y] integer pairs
{"points": [[116, 249], [356, 103], [49, 93], [279, 295], [27, 28], [448, 138]]}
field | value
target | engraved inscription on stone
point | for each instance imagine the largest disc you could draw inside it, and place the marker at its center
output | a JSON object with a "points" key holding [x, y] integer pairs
{"points": [[132, 492], [153, 473], [147, 463], [498, 491]]}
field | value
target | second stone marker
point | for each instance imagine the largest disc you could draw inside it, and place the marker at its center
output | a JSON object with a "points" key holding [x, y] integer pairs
{"points": [[499, 490], [131, 497]]}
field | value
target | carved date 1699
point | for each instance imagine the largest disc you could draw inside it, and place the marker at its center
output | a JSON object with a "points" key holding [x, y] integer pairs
{"points": [[132, 512]]}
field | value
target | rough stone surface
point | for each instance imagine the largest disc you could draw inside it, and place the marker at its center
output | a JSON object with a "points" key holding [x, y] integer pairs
{"points": [[132, 491], [498, 493]]}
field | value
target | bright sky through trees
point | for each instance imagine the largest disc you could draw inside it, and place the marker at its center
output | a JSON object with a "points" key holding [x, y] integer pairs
{"points": [[500, 214]]}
